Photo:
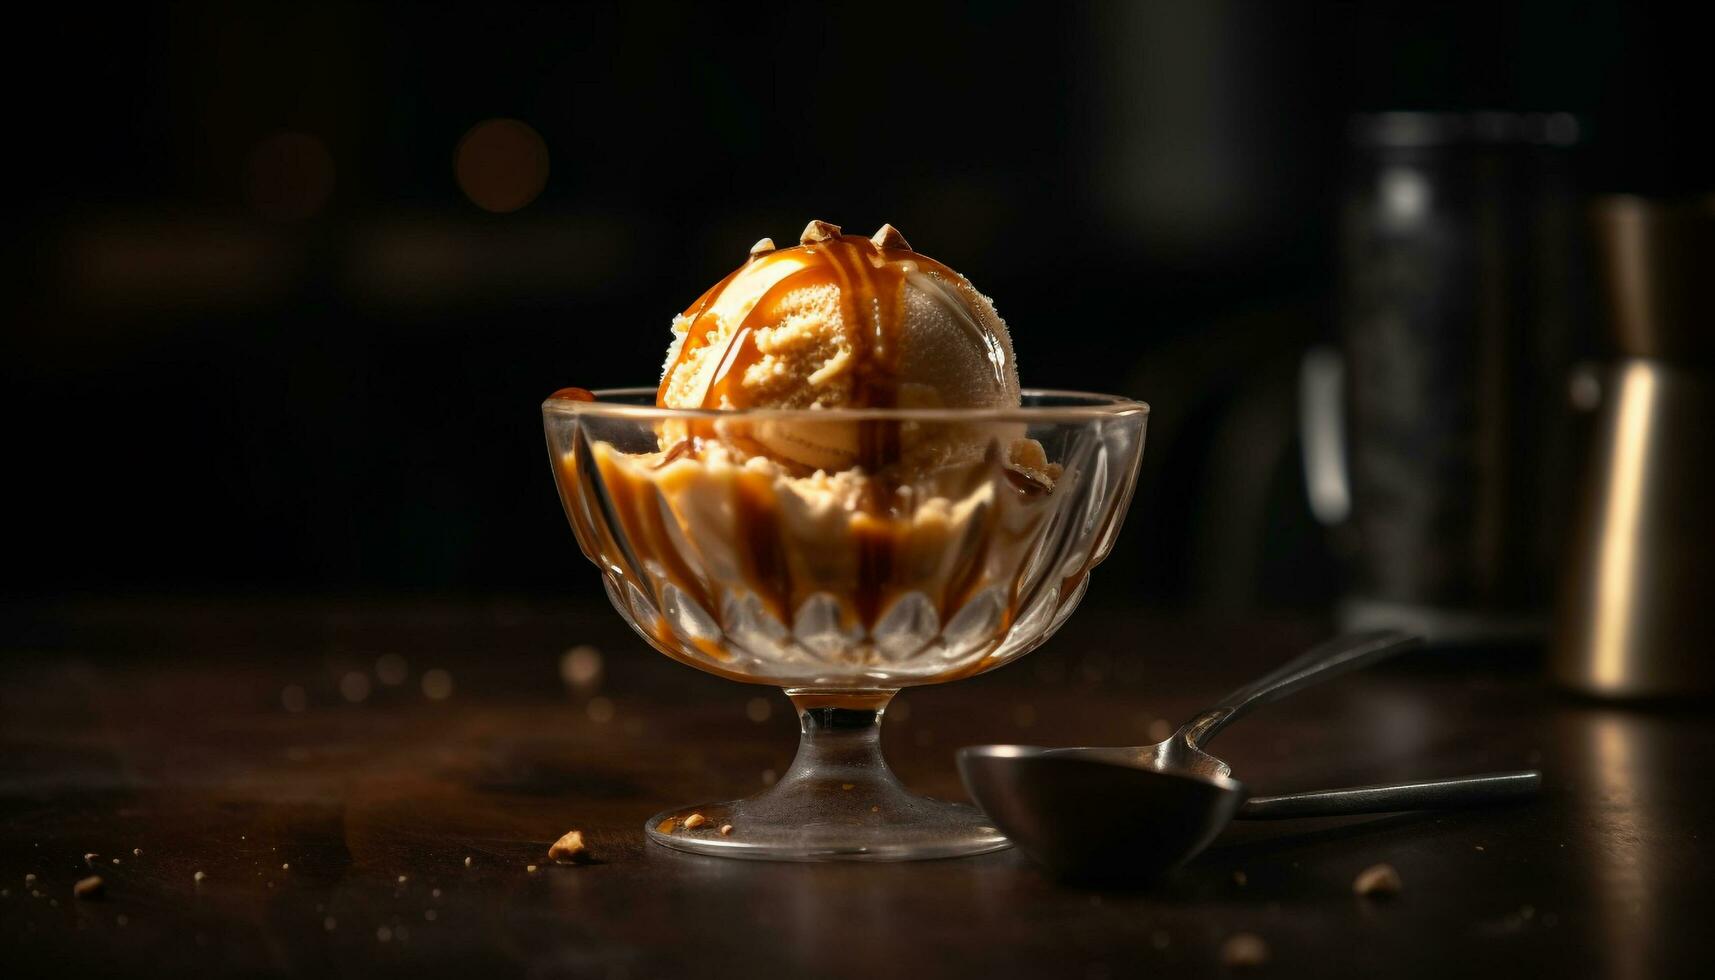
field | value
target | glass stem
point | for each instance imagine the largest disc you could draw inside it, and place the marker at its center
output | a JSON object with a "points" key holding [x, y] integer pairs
{"points": [[840, 737]]}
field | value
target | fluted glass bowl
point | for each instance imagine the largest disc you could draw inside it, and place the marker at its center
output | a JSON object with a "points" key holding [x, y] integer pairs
{"points": [[843, 555]]}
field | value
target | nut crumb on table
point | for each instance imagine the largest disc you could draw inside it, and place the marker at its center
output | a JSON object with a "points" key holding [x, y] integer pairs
{"points": [[1244, 949], [695, 820], [570, 848], [1378, 881], [90, 887]]}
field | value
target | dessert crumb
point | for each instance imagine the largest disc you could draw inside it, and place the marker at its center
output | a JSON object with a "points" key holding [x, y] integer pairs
{"points": [[403, 879], [286, 867], [726, 830], [530, 869], [695, 820], [1244, 950], [467, 862], [1378, 881], [136, 852], [198, 876], [571, 849], [90, 887]]}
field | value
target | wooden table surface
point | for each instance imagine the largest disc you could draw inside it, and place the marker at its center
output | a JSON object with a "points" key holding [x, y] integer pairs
{"points": [[331, 805]]}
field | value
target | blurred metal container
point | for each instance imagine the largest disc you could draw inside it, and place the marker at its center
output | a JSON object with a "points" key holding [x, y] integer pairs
{"points": [[1460, 315], [1638, 605]]}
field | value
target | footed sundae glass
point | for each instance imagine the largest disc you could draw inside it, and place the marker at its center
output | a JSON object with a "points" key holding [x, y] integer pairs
{"points": [[966, 553]]}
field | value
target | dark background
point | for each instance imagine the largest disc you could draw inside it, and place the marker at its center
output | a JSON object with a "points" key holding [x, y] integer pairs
{"points": [[260, 340]]}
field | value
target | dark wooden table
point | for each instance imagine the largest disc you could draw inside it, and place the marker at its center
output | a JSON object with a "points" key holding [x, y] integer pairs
{"points": [[331, 812]]}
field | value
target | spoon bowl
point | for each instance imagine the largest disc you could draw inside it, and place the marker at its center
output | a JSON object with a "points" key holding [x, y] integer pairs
{"points": [[1095, 812], [1139, 811]]}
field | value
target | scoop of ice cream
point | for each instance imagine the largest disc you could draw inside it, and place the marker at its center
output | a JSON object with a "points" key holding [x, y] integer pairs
{"points": [[839, 321]]}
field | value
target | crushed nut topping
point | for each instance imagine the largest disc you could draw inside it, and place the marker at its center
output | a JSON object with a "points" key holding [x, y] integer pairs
{"points": [[888, 236], [695, 820], [762, 247], [818, 231]]}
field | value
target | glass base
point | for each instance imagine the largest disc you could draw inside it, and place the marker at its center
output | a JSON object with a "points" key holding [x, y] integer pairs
{"points": [[838, 802]]}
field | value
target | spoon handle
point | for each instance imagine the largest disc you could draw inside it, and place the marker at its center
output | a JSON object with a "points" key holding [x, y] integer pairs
{"points": [[1319, 663], [1429, 794]]}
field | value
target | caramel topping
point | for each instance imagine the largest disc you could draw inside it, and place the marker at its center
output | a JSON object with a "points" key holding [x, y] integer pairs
{"points": [[573, 395]]}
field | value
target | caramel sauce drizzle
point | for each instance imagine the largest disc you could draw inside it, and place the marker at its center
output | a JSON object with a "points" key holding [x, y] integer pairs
{"points": [[871, 282]]}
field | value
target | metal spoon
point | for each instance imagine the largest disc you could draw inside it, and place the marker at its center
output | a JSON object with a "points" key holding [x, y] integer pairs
{"points": [[1139, 811]]}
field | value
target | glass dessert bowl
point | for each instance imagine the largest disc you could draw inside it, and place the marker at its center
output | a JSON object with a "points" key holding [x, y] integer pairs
{"points": [[960, 541]]}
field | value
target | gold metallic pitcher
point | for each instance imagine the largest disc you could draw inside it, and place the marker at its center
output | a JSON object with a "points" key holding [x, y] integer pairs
{"points": [[1637, 607]]}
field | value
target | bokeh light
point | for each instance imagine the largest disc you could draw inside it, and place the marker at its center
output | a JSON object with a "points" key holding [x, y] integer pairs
{"points": [[501, 164]]}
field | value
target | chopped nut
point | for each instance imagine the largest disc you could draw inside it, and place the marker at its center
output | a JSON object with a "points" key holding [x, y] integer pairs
{"points": [[1244, 949], [762, 247], [726, 830], [818, 231], [285, 867], [570, 849], [137, 852], [530, 869], [695, 820], [90, 887], [198, 876], [1378, 881], [29, 878], [847, 785], [403, 879], [888, 236], [467, 862], [89, 858]]}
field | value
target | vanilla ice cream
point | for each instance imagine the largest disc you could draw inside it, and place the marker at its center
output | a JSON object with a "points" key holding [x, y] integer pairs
{"points": [[839, 321]]}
